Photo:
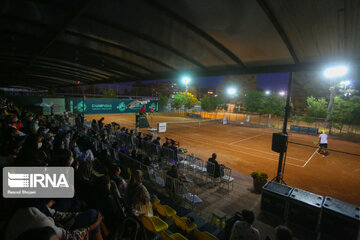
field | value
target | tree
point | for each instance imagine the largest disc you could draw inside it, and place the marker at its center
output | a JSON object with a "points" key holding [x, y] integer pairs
{"points": [[108, 93], [163, 100], [316, 108], [180, 99], [253, 101], [274, 104], [308, 84], [209, 103], [345, 112]]}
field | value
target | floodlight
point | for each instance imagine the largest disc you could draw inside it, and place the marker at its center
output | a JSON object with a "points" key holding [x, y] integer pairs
{"points": [[336, 71], [231, 91], [186, 80], [282, 93], [267, 92]]}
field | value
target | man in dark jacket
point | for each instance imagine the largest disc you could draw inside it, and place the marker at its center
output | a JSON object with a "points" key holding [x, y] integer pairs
{"points": [[215, 163]]}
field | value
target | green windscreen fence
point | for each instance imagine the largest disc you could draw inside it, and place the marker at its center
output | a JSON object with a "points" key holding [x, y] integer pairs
{"points": [[107, 106]]}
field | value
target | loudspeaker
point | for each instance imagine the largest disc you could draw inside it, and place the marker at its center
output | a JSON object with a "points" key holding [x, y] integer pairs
{"points": [[304, 209], [274, 198], [339, 220], [279, 142]]}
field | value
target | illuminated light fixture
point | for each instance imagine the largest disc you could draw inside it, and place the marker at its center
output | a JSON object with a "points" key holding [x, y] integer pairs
{"points": [[267, 92], [231, 91], [336, 71], [186, 80], [210, 92], [282, 93]]}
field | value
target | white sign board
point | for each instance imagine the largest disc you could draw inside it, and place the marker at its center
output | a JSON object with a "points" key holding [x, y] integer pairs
{"points": [[161, 127]]}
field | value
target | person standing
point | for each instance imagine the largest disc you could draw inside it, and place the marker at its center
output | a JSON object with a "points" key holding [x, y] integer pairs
{"points": [[323, 140], [142, 110]]}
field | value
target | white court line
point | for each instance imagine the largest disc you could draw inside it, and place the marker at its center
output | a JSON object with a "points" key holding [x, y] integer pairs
{"points": [[247, 138], [234, 150], [248, 148], [310, 158]]}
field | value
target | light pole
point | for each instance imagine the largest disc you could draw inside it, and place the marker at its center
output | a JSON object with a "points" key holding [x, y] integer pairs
{"points": [[333, 73], [231, 92], [186, 80]]}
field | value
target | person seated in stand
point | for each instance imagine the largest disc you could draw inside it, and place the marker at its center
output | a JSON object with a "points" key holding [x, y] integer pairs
{"points": [[173, 172], [107, 199], [147, 161], [100, 122], [115, 176], [78, 226], [157, 141], [210, 169], [230, 223], [244, 229], [39, 233], [137, 196], [167, 142], [94, 126]]}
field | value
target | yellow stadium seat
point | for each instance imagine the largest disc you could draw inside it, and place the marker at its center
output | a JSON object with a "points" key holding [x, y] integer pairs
{"points": [[180, 222], [164, 210], [203, 235], [174, 236], [154, 224]]}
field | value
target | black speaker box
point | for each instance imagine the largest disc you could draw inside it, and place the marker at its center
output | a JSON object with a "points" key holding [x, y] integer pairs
{"points": [[339, 220], [279, 142], [304, 209], [274, 198]]}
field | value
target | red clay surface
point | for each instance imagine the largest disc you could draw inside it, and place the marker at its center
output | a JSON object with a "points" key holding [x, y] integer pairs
{"points": [[246, 149]]}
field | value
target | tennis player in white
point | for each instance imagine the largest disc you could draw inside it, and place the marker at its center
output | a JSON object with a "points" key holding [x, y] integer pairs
{"points": [[323, 140]]}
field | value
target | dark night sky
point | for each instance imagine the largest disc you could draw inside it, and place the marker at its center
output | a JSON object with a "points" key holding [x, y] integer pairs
{"points": [[270, 81]]}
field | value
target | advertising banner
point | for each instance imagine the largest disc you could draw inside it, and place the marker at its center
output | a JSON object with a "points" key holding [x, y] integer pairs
{"points": [[109, 106]]}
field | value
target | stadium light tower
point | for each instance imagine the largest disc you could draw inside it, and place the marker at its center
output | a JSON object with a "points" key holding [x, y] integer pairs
{"points": [[231, 91], [336, 71], [333, 73], [186, 80]]}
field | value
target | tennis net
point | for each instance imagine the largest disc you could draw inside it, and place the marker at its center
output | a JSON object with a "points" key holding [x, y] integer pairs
{"points": [[329, 149]]}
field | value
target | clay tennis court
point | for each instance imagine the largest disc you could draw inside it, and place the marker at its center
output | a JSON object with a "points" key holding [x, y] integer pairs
{"points": [[248, 149]]}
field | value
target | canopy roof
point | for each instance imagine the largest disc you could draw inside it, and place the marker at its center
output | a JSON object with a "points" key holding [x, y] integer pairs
{"points": [[58, 43]]}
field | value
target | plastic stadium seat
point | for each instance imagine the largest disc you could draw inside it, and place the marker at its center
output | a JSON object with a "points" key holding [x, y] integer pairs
{"points": [[203, 235], [164, 210], [174, 236], [154, 224], [180, 222]]}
